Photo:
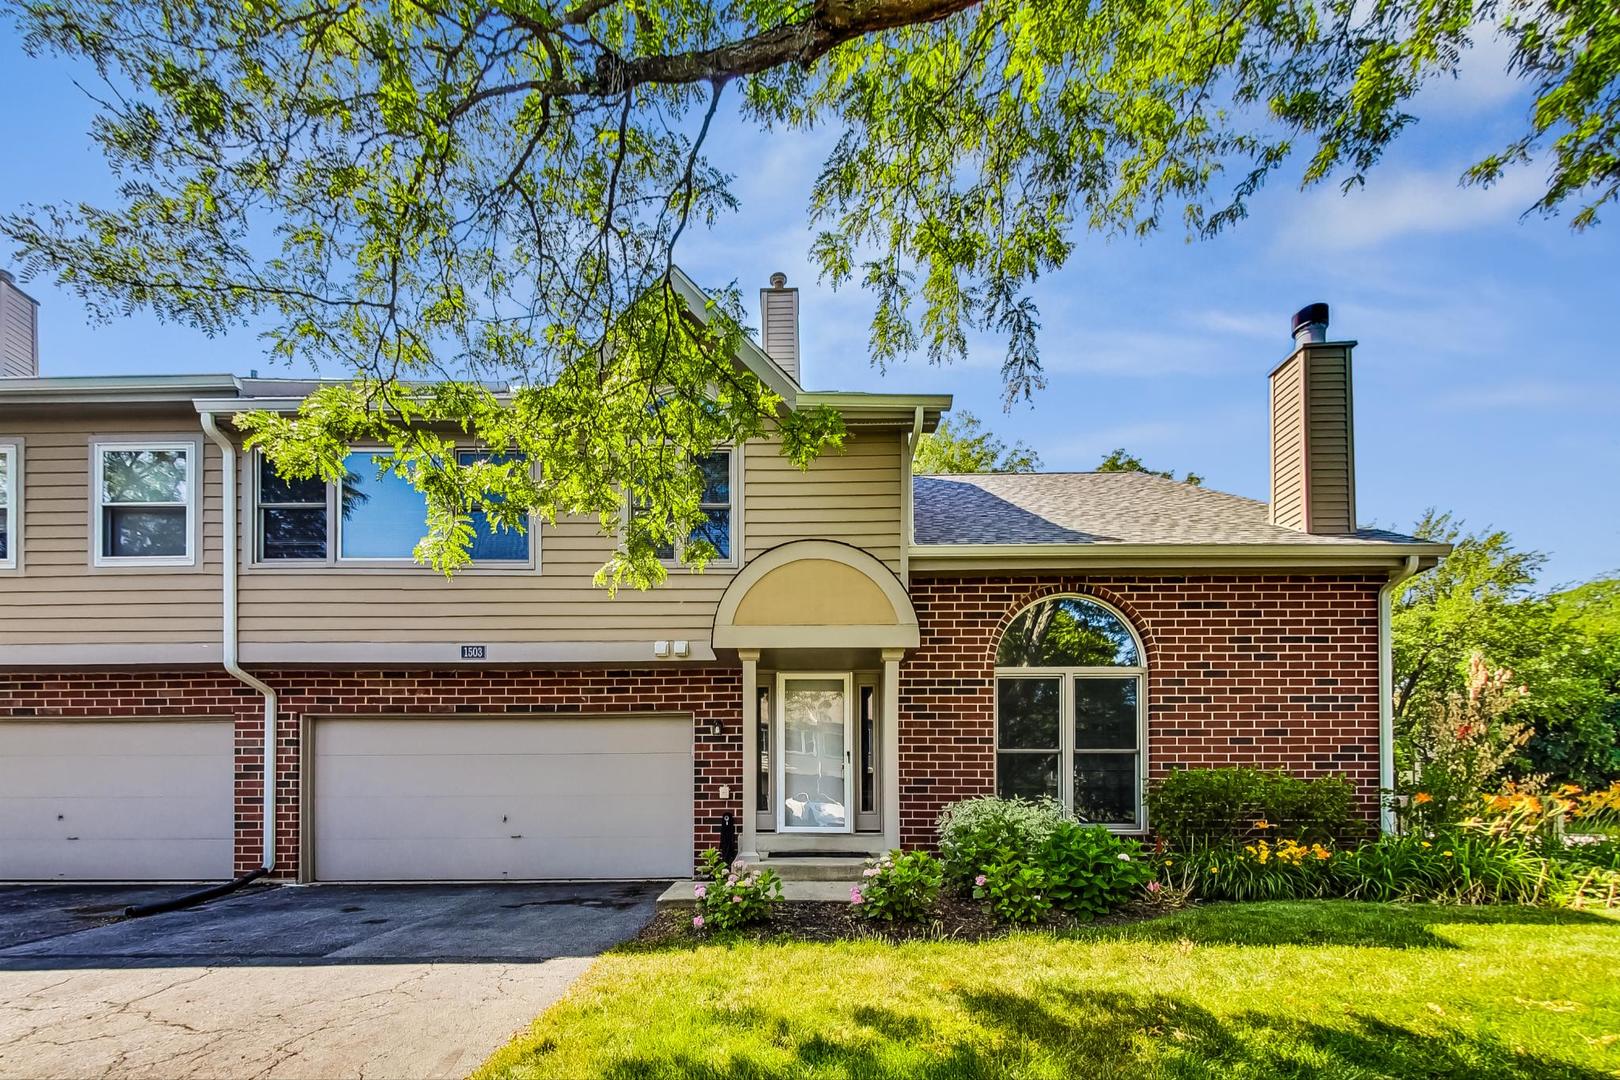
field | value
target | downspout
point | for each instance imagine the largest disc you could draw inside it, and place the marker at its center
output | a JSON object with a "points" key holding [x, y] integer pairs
{"points": [[228, 593], [1386, 692], [908, 525]]}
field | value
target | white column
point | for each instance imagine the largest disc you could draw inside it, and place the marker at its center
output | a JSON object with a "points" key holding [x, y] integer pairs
{"points": [[890, 774], [750, 752]]}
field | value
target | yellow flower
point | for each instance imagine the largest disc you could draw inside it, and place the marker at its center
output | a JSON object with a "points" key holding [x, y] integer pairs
{"points": [[1214, 869], [1447, 854], [1422, 797], [1263, 824]]}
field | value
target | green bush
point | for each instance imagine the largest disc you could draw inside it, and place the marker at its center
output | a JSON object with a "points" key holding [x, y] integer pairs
{"points": [[1286, 870], [1089, 870], [1014, 892], [899, 887], [734, 895], [1194, 808], [1460, 866], [975, 833]]}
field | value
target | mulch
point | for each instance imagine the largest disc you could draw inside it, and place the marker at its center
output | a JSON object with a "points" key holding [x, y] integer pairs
{"points": [[954, 919]]}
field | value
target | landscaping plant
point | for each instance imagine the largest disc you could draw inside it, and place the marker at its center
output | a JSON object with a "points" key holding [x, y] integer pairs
{"points": [[1194, 808], [896, 887], [976, 833], [1091, 871], [1013, 892], [734, 895]]}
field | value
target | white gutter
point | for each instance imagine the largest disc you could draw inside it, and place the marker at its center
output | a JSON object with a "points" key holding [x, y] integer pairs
{"points": [[228, 594], [1386, 692]]}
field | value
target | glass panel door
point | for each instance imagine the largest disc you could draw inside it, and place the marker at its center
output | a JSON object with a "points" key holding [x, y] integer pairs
{"points": [[813, 758]]}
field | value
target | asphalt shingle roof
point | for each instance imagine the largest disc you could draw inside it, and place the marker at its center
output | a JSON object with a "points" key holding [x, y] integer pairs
{"points": [[1098, 508]]}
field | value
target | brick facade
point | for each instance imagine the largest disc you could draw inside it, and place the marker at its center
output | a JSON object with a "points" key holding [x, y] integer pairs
{"points": [[1256, 669], [711, 695], [1265, 670]]}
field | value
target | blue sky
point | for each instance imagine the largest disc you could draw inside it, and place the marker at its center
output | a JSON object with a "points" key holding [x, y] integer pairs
{"points": [[1487, 376]]}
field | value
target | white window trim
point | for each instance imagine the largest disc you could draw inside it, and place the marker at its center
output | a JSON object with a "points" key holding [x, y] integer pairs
{"points": [[1066, 748], [12, 450], [734, 459], [193, 450], [334, 537]]}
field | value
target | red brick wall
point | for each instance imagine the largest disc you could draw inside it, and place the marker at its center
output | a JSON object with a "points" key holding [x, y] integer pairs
{"points": [[710, 695], [1263, 670]]}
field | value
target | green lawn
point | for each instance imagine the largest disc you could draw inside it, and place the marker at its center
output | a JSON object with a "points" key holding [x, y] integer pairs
{"points": [[1283, 989]]}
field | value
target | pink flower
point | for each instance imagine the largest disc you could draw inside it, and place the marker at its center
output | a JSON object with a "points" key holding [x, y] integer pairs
{"points": [[736, 899], [871, 871], [700, 890], [732, 880], [979, 881], [855, 895], [1154, 886], [697, 922]]}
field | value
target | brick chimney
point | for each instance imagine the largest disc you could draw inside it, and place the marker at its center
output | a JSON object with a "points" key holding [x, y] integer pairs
{"points": [[19, 331], [779, 324], [1313, 446]]}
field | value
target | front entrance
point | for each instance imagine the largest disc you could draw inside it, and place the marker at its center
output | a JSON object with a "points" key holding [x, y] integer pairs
{"points": [[816, 763]]}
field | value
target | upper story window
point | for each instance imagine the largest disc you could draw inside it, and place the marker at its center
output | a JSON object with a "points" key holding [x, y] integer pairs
{"points": [[366, 518], [146, 500], [10, 485], [1070, 714], [716, 505]]}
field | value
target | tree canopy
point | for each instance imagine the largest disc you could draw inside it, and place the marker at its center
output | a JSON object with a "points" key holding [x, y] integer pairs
{"points": [[962, 444], [492, 195], [1563, 647], [1122, 460]]}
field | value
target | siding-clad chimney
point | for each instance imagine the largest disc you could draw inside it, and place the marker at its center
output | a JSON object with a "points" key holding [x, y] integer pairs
{"points": [[779, 324], [1313, 447], [19, 331]]}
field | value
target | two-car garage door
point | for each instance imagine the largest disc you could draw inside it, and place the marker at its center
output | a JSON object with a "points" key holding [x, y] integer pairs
{"points": [[129, 800], [418, 799]]}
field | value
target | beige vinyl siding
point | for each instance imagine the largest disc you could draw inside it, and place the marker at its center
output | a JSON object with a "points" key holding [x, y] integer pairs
{"points": [[1288, 494], [853, 497], [19, 334], [1331, 456], [58, 597]]}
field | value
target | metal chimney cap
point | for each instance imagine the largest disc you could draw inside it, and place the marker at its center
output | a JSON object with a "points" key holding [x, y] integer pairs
{"points": [[1310, 323], [779, 280]]}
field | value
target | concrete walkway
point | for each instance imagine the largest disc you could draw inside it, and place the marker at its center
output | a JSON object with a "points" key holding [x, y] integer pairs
{"points": [[320, 982]]}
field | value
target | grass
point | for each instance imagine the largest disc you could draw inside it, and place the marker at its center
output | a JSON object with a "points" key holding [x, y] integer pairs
{"points": [[1230, 990]]}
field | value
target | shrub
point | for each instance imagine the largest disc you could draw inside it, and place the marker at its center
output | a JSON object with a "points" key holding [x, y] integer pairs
{"points": [[734, 895], [1014, 892], [1459, 866], [976, 833], [899, 887], [1286, 870], [1194, 808], [1089, 870]]}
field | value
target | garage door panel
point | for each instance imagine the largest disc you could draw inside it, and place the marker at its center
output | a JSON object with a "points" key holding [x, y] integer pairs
{"points": [[535, 798], [503, 775], [433, 736], [116, 800]]}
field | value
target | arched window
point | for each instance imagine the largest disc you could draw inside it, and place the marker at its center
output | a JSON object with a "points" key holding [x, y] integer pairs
{"points": [[1070, 715]]}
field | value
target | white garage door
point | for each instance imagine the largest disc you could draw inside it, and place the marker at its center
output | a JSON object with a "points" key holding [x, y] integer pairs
{"points": [[129, 800], [506, 799]]}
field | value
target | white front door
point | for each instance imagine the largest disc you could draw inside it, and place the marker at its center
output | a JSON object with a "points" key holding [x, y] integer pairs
{"points": [[814, 765]]}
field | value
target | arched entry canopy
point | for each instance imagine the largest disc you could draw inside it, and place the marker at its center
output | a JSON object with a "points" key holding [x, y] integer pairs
{"points": [[815, 594]]}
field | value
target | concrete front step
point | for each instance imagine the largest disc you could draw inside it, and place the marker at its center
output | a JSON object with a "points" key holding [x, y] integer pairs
{"points": [[816, 867], [679, 894]]}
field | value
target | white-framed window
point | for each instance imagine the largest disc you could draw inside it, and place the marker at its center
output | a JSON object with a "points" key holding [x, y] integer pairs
{"points": [[367, 519], [10, 504], [145, 503], [1071, 717], [719, 506]]}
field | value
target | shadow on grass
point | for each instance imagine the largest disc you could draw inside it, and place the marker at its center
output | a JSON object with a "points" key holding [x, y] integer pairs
{"points": [[1093, 1034]]}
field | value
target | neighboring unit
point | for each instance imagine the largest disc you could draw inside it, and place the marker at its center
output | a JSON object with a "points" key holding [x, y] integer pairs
{"points": [[177, 623]]}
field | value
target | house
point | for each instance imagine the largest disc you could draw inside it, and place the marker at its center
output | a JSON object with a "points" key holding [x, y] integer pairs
{"points": [[176, 622]]}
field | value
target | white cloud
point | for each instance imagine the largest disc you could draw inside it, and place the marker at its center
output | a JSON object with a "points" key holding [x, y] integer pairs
{"points": [[1416, 202], [1482, 83]]}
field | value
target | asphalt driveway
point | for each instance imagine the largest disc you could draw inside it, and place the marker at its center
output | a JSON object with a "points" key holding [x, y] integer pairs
{"points": [[324, 981]]}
